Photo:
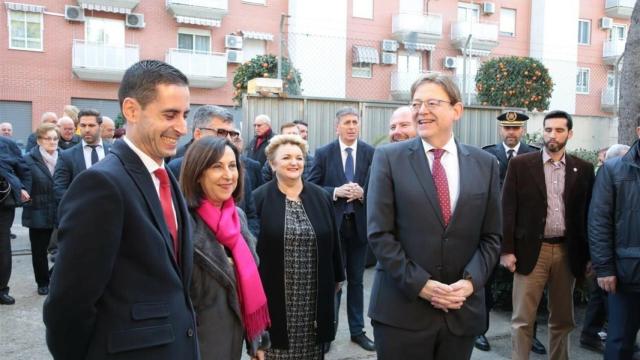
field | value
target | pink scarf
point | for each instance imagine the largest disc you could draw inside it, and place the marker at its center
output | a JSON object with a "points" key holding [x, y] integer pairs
{"points": [[225, 223]]}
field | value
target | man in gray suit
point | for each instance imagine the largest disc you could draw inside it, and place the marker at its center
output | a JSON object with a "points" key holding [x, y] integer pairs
{"points": [[434, 223]]}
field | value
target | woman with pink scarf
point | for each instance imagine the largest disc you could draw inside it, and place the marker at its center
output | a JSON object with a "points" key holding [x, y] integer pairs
{"points": [[226, 291]]}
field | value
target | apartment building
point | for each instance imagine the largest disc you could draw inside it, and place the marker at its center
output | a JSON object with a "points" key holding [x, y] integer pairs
{"points": [[55, 52]]}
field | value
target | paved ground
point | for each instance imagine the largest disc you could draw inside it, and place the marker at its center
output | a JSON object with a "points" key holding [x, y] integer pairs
{"points": [[22, 330]]}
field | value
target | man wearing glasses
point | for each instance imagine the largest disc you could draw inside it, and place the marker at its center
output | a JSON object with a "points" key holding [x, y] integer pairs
{"points": [[434, 223], [211, 120]]}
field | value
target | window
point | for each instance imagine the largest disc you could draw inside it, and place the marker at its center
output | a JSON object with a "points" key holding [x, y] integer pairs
{"points": [[468, 12], [25, 30], [507, 22], [194, 40], [618, 32], [584, 32], [361, 70], [363, 9], [252, 48], [410, 63], [104, 32], [582, 81]]}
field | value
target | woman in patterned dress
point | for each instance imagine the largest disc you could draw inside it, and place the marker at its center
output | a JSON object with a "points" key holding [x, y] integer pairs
{"points": [[298, 246]]}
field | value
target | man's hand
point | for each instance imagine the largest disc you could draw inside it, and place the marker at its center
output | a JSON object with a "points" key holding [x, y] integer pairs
{"points": [[24, 196], [446, 297], [508, 261], [608, 283], [356, 192], [343, 191], [588, 271], [260, 355], [463, 288]]}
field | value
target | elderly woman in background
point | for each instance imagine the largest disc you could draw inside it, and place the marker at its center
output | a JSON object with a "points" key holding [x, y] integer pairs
{"points": [[226, 290], [39, 215], [298, 245]]}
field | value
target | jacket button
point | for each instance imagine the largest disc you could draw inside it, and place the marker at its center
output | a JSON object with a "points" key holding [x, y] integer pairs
{"points": [[190, 332]]}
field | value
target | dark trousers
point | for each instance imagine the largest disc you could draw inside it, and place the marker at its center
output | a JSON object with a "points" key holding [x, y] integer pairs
{"points": [[6, 220], [596, 313], [624, 322], [39, 239], [353, 255], [436, 342]]}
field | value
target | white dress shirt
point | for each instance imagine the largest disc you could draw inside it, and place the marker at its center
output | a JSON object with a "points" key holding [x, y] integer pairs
{"points": [[515, 149], [87, 153], [343, 154], [451, 167]]}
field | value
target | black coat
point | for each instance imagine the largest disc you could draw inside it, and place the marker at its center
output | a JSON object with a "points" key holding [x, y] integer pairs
{"points": [[40, 212], [258, 154], [614, 220], [252, 169], [270, 204], [13, 168], [498, 151]]}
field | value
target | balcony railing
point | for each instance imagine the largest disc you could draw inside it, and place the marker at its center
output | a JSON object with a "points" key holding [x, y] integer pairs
{"points": [[619, 8], [207, 9], [484, 36], [401, 84], [417, 28], [607, 99], [101, 62], [203, 69], [611, 50]]}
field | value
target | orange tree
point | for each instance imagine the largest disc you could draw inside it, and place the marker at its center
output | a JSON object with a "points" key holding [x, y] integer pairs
{"points": [[514, 81], [266, 66]]}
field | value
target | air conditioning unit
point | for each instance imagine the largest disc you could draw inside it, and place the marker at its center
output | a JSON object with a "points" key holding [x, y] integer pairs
{"points": [[234, 56], [233, 42], [389, 45], [606, 23], [389, 58], [73, 13], [488, 8], [450, 62], [135, 21]]}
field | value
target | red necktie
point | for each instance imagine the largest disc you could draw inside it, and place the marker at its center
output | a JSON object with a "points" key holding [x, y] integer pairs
{"points": [[167, 208], [442, 185]]}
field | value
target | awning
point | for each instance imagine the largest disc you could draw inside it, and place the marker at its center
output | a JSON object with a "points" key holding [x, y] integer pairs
{"points": [[476, 52], [197, 21], [105, 8], [365, 55], [24, 7], [257, 35], [418, 46]]}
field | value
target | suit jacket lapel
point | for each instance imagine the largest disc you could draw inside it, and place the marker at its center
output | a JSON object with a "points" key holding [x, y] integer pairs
{"points": [[360, 170], [570, 175], [184, 228], [524, 148], [78, 159], [420, 164], [336, 158], [536, 167], [501, 155], [466, 179]]}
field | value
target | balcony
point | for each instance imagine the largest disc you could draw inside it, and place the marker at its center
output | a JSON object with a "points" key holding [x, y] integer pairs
{"points": [[203, 69], [484, 36], [611, 51], [417, 28], [114, 6], [199, 9], [607, 100], [621, 9], [101, 62], [401, 84]]}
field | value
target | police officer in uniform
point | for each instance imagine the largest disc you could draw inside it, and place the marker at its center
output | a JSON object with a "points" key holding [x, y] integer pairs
{"points": [[511, 125]]}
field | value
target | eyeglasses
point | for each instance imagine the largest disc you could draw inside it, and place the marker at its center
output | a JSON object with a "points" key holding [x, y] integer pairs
{"points": [[47, 138], [222, 132], [431, 104]]}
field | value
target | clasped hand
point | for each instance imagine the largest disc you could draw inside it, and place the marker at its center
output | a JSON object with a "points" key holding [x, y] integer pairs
{"points": [[351, 191], [447, 297]]}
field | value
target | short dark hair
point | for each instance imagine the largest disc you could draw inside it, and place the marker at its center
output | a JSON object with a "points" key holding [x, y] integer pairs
{"points": [[90, 112], [142, 78], [300, 122], [200, 156], [559, 114], [287, 125], [347, 110], [206, 113]]}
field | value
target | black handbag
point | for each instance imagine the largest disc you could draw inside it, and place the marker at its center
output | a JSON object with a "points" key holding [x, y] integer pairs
{"points": [[6, 198]]}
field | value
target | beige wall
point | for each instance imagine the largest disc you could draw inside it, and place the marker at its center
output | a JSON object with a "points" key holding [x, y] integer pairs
{"points": [[589, 132]]}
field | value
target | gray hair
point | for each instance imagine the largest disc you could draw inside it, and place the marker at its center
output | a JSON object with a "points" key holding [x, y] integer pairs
{"points": [[264, 118], [205, 113], [615, 151], [347, 110]]}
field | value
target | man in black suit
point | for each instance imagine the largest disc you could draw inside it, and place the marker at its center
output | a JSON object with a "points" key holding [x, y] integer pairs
{"points": [[263, 133], [120, 288], [68, 136], [434, 224], [545, 199], [342, 168], [83, 155], [511, 124]]}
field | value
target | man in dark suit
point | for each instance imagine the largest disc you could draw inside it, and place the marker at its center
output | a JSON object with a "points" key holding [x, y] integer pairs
{"points": [[263, 133], [16, 179], [120, 288], [342, 168], [68, 136], [434, 225], [545, 199], [83, 155], [511, 124]]}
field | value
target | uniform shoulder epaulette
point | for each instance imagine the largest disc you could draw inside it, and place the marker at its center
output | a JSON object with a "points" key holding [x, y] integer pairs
{"points": [[490, 146]]}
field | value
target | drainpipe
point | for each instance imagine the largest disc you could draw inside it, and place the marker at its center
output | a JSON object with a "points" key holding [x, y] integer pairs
{"points": [[616, 83], [466, 57]]}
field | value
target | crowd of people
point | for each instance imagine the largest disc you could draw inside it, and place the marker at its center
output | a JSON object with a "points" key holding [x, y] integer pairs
{"points": [[206, 249]]}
